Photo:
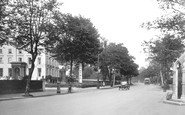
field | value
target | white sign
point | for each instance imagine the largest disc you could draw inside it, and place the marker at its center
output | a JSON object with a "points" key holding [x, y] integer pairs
{"points": [[80, 73]]}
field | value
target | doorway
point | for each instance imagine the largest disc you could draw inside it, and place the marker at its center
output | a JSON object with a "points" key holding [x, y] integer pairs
{"points": [[17, 72]]}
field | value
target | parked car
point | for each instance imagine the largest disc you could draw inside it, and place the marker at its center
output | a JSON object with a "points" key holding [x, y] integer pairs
{"points": [[147, 81]]}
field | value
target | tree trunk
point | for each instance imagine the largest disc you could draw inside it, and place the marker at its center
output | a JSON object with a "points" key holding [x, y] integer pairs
{"points": [[71, 67], [130, 80], [127, 78], [27, 90], [162, 83], [110, 78], [71, 70]]}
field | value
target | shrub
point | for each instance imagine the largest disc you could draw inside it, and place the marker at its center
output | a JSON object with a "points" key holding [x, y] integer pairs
{"points": [[25, 78], [87, 72], [70, 79], [74, 84], [90, 84], [62, 84], [169, 96], [48, 78]]}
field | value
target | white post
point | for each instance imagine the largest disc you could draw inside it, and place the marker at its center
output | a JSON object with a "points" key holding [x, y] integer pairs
{"points": [[183, 84], [80, 73], [175, 85]]}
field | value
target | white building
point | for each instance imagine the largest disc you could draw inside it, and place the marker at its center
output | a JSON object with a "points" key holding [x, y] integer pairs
{"points": [[44, 64]]}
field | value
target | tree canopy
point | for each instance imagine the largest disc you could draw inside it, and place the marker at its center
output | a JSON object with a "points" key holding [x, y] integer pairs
{"points": [[3, 14], [152, 72], [78, 40], [116, 56], [170, 43]]}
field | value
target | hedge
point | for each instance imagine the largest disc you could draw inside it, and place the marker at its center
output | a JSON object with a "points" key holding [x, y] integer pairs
{"points": [[84, 84], [18, 86]]}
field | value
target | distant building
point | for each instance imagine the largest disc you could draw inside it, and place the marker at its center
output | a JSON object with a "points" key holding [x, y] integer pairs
{"points": [[44, 64]]}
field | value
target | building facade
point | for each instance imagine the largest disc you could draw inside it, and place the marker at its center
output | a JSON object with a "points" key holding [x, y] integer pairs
{"points": [[44, 63]]}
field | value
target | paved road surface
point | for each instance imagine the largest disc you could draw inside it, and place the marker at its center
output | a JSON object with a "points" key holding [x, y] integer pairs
{"points": [[139, 100]]}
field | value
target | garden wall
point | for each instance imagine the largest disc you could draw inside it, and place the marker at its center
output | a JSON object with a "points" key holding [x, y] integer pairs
{"points": [[18, 86]]}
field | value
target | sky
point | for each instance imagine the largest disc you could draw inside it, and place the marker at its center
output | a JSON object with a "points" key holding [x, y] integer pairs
{"points": [[118, 21]]}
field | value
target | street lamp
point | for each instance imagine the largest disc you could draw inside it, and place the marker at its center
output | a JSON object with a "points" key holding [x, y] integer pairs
{"points": [[98, 79], [113, 77]]}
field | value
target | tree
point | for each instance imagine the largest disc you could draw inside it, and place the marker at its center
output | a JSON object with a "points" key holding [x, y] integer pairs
{"points": [[174, 5], [172, 31], [129, 69], [116, 56], [78, 40], [165, 51], [103, 65], [152, 72], [3, 4], [171, 23], [30, 24], [88, 71], [3, 14]]}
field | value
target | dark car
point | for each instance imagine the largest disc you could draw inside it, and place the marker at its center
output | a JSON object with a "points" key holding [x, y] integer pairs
{"points": [[147, 81]]}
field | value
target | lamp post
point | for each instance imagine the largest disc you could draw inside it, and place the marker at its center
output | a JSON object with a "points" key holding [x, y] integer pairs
{"points": [[98, 79], [113, 77]]}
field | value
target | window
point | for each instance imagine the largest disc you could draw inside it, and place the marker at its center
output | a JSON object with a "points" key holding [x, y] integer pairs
{"points": [[10, 51], [54, 63], [1, 51], [20, 59], [20, 51], [47, 62], [1, 72], [9, 59], [52, 71], [39, 72], [51, 61], [17, 71], [10, 71], [1, 60], [29, 60], [47, 71], [39, 60]]}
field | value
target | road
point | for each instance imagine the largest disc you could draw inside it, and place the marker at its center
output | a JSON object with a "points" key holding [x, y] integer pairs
{"points": [[139, 100]]}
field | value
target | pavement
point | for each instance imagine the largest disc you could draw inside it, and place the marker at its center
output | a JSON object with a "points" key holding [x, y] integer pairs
{"points": [[48, 92]]}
